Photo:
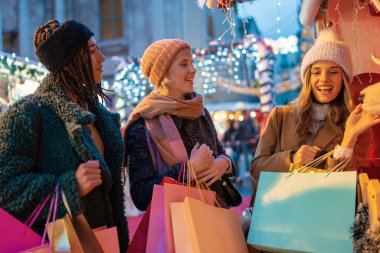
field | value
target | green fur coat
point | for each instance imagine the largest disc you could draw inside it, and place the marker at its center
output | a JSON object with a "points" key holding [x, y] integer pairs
{"points": [[43, 140]]}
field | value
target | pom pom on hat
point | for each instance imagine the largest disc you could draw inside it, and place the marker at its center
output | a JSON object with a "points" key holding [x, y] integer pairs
{"points": [[159, 56], [329, 48]]}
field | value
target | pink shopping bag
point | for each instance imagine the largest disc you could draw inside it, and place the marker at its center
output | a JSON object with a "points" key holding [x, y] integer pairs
{"points": [[138, 243], [16, 236], [156, 229]]}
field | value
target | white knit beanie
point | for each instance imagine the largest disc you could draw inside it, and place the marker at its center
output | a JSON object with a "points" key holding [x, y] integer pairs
{"points": [[329, 48]]}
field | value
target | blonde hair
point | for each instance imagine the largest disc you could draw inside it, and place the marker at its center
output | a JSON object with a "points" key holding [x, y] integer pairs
{"points": [[338, 112]]}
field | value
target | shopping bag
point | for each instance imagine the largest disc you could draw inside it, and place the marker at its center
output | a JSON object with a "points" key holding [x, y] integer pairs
{"points": [[213, 229], [139, 240], [181, 232], [304, 212], [72, 232], [16, 236], [108, 239], [177, 193], [156, 229]]}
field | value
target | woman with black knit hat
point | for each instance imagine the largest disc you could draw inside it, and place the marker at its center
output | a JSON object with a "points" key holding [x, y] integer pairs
{"points": [[321, 120], [62, 134], [171, 126]]}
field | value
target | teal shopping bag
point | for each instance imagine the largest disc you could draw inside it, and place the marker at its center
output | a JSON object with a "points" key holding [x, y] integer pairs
{"points": [[304, 212]]}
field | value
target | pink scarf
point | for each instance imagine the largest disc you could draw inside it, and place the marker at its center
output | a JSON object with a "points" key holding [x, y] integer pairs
{"points": [[156, 109]]}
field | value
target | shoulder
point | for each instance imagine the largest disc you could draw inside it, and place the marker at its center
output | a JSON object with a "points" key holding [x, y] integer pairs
{"points": [[27, 107], [136, 129]]}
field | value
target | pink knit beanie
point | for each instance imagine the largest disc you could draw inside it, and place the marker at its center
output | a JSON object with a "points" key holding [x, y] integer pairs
{"points": [[329, 48], [159, 56]]}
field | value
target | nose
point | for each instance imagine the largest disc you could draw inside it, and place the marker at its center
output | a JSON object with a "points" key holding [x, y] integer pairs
{"points": [[324, 76], [101, 57], [193, 69]]}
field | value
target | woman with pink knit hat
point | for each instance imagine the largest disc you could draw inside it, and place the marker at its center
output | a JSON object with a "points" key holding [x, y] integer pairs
{"points": [[321, 120], [171, 126]]}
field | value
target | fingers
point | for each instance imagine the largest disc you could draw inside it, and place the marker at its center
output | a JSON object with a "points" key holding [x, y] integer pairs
{"points": [[357, 109], [88, 176], [306, 154], [92, 164], [196, 146]]}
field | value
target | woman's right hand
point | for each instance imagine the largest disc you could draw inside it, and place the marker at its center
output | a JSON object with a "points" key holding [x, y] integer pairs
{"points": [[201, 157], [88, 176], [305, 154]]}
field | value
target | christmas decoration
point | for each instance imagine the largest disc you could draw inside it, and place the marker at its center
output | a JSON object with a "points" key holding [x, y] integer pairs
{"points": [[18, 77], [309, 11], [373, 5], [360, 227], [370, 99]]}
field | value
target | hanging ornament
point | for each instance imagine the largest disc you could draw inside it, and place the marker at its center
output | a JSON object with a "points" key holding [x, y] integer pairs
{"points": [[210, 4], [373, 5], [309, 11], [226, 4]]}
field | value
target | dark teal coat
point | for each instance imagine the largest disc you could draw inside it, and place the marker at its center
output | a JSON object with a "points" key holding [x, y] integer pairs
{"points": [[43, 140]]}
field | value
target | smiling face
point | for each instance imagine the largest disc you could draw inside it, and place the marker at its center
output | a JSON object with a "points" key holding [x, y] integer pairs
{"points": [[97, 59], [179, 79], [326, 81]]}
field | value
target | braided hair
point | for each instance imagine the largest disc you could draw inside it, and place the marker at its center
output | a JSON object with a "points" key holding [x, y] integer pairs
{"points": [[76, 77]]}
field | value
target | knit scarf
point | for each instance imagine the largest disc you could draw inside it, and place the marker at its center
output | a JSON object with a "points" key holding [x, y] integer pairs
{"points": [[156, 109], [319, 114]]}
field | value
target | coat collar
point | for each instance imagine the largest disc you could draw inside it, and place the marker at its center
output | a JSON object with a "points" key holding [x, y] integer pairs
{"points": [[76, 118]]}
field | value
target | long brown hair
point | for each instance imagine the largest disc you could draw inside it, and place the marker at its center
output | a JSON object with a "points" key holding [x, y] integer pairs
{"points": [[338, 112], [76, 77]]}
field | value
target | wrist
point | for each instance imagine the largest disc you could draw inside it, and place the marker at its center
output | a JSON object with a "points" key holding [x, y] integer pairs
{"points": [[227, 162], [349, 140]]}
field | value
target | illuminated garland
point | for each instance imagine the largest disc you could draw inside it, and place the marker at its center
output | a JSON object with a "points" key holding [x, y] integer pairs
{"points": [[21, 68]]}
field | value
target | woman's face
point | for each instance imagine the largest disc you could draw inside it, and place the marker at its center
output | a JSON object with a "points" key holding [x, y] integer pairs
{"points": [[179, 80], [326, 81], [97, 59]]}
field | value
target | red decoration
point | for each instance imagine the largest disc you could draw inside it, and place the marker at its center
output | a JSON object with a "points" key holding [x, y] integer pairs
{"points": [[372, 166], [225, 4], [373, 8]]}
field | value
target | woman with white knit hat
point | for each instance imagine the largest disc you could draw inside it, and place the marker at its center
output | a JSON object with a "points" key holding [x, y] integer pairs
{"points": [[322, 119]]}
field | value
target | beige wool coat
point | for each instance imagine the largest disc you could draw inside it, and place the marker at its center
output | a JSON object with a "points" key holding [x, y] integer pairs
{"points": [[275, 145]]}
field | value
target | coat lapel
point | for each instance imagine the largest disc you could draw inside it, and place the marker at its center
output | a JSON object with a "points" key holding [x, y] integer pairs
{"points": [[75, 119], [324, 137]]}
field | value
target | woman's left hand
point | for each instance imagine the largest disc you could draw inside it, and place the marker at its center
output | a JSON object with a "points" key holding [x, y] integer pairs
{"points": [[216, 170]]}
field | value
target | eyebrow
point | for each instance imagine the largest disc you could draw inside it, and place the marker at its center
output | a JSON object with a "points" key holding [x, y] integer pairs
{"points": [[317, 68]]}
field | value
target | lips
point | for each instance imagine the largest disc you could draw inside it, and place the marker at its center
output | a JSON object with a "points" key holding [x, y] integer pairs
{"points": [[324, 88]]}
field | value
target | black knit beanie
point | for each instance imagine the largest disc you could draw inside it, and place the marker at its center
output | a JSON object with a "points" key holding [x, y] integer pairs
{"points": [[58, 49]]}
